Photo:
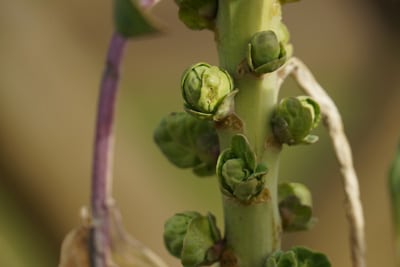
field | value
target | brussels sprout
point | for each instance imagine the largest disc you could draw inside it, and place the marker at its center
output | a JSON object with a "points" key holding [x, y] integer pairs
{"points": [[175, 229], [205, 89], [239, 174], [265, 52], [295, 206], [294, 119]]}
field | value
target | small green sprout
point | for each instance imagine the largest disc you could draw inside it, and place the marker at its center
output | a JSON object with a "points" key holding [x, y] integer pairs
{"points": [[294, 119], [239, 174], [295, 206], [207, 91], [265, 52]]}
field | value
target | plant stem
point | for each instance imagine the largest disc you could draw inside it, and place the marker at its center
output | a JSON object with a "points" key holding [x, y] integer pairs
{"points": [[103, 154], [333, 122], [252, 231], [237, 21]]}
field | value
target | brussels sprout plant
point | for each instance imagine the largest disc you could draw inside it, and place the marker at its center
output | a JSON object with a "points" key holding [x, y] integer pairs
{"points": [[233, 125]]}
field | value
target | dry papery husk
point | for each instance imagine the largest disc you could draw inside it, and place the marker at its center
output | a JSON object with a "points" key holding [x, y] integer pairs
{"points": [[126, 251]]}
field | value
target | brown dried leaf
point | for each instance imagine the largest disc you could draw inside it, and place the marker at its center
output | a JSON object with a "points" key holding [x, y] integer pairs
{"points": [[75, 248]]}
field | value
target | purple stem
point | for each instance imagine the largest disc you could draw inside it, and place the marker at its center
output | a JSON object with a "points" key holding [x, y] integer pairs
{"points": [[103, 154]]}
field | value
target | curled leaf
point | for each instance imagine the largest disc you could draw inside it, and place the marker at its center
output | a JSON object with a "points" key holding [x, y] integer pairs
{"points": [[191, 237], [188, 142], [297, 257]]}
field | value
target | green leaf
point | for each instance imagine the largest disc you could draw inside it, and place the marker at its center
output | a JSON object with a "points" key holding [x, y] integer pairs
{"points": [[241, 148], [309, 258], [288, 259], [175, 229], [130, 20], [198, 14], [297, 257], [200, 238], [188, 142]]}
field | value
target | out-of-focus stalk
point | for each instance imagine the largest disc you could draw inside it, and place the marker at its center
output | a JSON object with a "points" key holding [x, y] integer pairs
{"points": [[103, 154]]}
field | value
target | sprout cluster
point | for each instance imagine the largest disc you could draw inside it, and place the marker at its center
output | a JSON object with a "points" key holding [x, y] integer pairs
{"points": [[190, 140], [239, 174]]}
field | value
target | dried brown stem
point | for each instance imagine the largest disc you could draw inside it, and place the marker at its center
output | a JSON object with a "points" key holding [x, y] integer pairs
{"points": [[334, 124]]}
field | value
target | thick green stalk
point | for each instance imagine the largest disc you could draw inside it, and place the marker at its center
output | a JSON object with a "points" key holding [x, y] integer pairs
{"points": [[252, 231], [237, 21]]}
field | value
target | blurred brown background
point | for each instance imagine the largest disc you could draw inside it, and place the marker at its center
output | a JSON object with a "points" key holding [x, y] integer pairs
{"points": [[52, 55]]}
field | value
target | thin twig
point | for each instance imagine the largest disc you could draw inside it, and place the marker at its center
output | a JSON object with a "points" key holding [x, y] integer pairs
{"points": [[103, 155], [334, 124]]}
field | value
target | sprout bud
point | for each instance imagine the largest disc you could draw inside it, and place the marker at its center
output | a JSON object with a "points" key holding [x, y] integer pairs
{"points": [[265, 48], [204, 88], [234, 168], [293, 120], [175, 229], [239, 174], [295, 206], [265, 53]]}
